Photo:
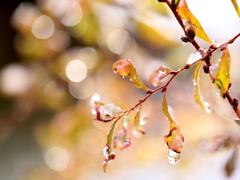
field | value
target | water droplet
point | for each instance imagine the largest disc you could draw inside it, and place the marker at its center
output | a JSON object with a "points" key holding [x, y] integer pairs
{"points": [[237, 121], [106, 151], [126, 120], [207, 106], [194, 82], [136, 133], [173, 157], [218, 93], [143, 119], [131, 79], [123, 76]]}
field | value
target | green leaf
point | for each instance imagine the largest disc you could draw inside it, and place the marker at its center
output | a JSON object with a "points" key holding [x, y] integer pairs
{"points": [[198, 97], [126, 68], [222, 79], [186, 14], [235, 4], [110, 135], [158, 75]]}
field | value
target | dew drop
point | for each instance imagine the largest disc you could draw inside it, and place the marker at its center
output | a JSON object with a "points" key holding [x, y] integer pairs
{"points": [[173, 157], [237, 121], [207, 106], [126, 120], [131, 79], [143, 119], [106, 151], [194, 82], [123, 76], [218, 93]]}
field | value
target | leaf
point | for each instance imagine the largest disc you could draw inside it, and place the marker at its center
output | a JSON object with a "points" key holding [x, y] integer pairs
{"points": [[235, 4], [107, 150], [186, 14], [158, 75], [140, 120], [222, 79], [198, 97], [174, 139], [108, 112], [126, 68]]}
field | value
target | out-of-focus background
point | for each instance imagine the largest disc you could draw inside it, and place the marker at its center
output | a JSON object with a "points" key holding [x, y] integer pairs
{"points": [[55, 55]]}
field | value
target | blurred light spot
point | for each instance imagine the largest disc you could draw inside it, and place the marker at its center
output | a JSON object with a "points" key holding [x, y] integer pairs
{"points": [[72, 15], [57, 158], [140, 4], [15, 80], [90, 140], [24, 15], [119, 41], [43, 27], [83, 89], [95, 97], [76, 71], [89, 56], [53, 91], [58, 41], [79, 29], [100, 125]]}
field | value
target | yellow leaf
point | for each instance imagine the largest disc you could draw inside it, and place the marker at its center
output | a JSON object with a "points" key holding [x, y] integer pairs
{"points": [[125, 68], [186, 14], [222, 79], [198, 97], [236, 7]]}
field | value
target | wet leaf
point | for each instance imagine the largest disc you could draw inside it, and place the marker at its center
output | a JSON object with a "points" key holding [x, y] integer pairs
{"points": [[121, 140], [139, 118], [186, 14], [107, 150], [126, 68], [108, 112], [198, 97], [222, 79], [158, 75], [231, 163], [174, 139], [235, 4]]}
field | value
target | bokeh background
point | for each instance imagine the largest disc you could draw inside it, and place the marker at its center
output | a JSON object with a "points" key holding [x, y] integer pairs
{"points": [[55, 55]]}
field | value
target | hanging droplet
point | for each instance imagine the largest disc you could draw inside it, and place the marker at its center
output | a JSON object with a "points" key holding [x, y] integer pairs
{"points": [[207, 106], [123, 76], [131, 79], [173, 157], [194, 82], [106, 151], [218, 93], [126, 120], [237, 121]]}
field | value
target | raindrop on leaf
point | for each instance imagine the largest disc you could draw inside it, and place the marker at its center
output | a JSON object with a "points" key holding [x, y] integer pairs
{"points": [[126, 120], [237, 121]]}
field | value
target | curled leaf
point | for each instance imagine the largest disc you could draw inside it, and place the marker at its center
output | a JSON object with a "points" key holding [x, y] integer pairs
{"points": [[174, 139], [158, 75], [235, 4], [126, 68], [108, 112], [198, 97], [140, 120], [121, 140], [107, 150], [222, 79], [186, 14]]}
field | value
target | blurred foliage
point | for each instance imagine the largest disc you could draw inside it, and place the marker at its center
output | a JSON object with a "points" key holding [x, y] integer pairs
{"points": [[64, 53]]}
